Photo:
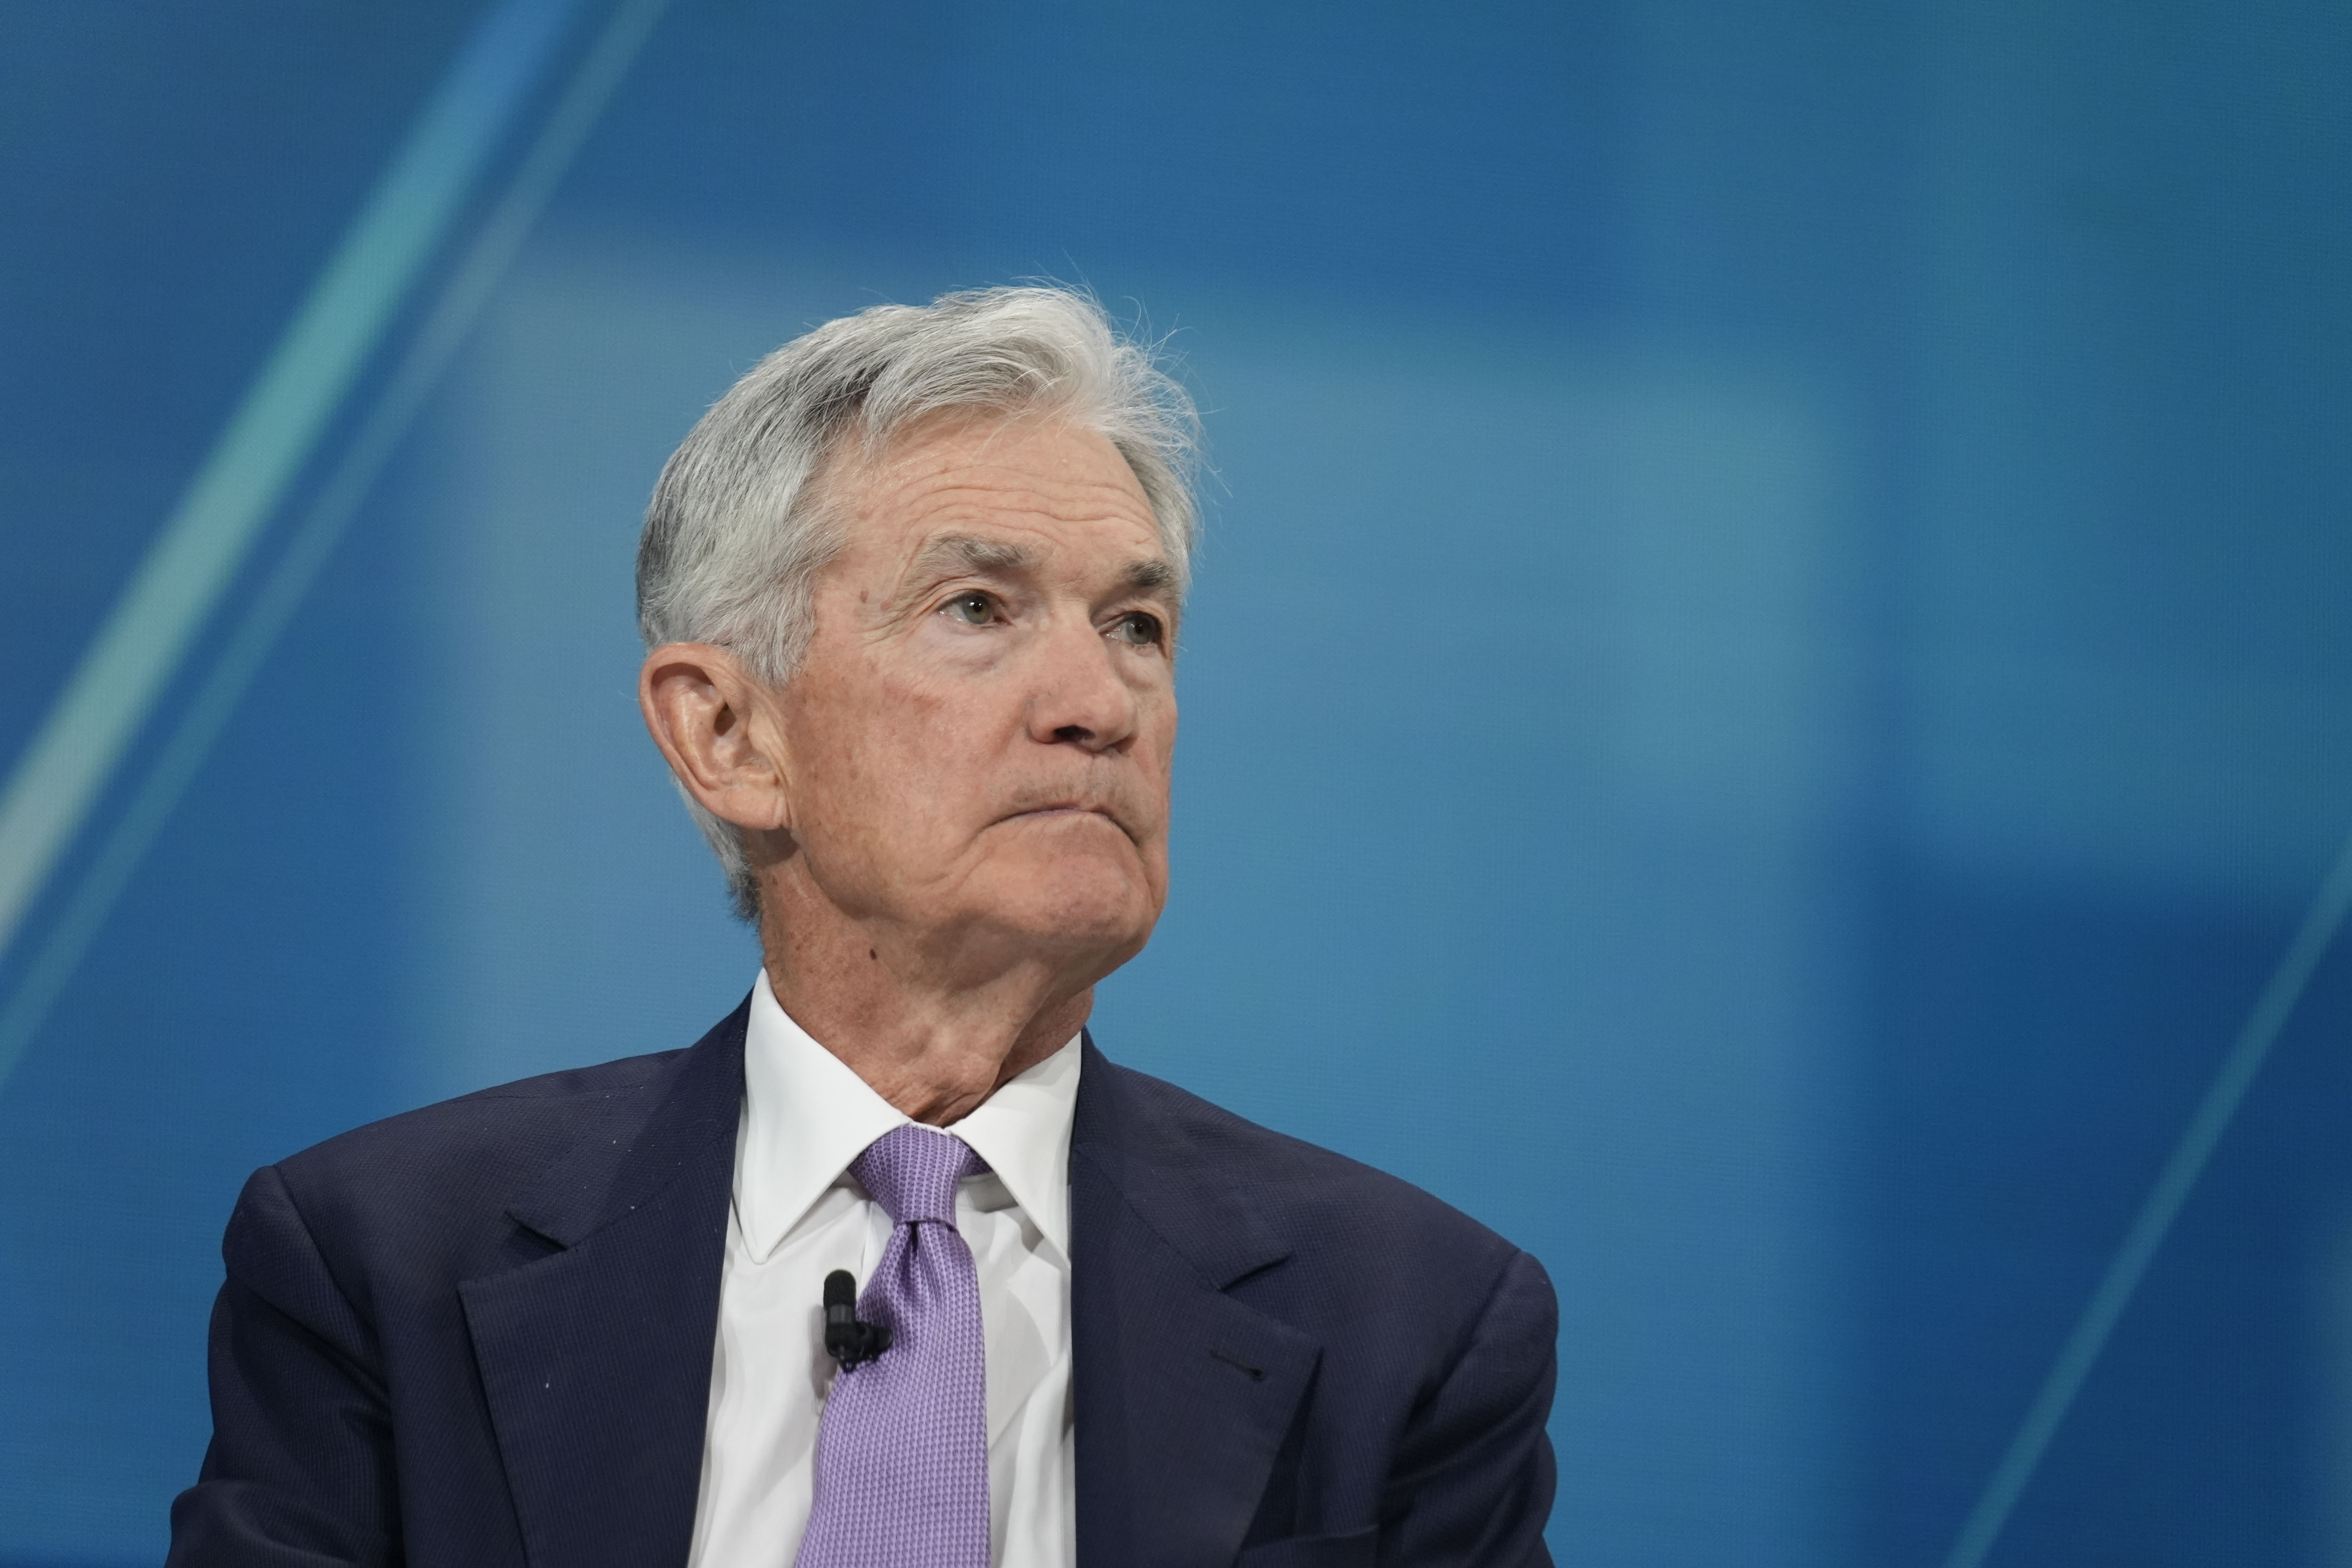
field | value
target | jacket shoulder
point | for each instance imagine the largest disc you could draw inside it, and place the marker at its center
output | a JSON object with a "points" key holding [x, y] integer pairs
{"points": [[1311, 1194], [496, 1125], [424, 1196]]}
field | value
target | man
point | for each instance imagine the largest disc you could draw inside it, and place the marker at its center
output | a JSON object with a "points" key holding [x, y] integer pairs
{"points": [[911, 590]]}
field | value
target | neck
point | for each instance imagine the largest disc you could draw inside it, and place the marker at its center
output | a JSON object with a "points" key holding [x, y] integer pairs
{"points": [[934, 1037]]}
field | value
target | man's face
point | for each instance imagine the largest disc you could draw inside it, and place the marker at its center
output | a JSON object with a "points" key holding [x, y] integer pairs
{"points": [[977, 744]]}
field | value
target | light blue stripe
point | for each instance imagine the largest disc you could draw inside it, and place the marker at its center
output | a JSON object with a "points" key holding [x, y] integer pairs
{"points": [[139, 647], [2154, 1222], [313, 541]]}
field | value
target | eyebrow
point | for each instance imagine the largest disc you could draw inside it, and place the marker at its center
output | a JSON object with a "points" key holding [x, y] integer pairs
{"points": [[970, 553], [953, 553], [1149, 576]]}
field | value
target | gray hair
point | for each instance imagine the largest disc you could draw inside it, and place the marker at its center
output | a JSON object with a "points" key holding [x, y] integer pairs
{"points": [[738, 529]]}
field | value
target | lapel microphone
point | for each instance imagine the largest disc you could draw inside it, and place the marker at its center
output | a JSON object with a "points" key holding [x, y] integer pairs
{"points": [[847, 1341]]}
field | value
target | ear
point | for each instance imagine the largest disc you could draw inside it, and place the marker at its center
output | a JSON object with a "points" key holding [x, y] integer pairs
{"points": [[717, 727]]}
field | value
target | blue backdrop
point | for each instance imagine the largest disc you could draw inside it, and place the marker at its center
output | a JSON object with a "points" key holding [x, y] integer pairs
{"points": [[1766, 687]]}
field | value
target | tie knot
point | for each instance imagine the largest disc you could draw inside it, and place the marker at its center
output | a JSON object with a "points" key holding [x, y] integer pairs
{"points": [[912, 1173]]}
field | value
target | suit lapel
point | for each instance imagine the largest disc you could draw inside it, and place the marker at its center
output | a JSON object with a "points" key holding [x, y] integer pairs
{"points": [[596, 1359], [1184, 1393]]}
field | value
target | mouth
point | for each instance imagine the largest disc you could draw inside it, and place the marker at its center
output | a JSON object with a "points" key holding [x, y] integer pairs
{"points": [[1065, 809]]}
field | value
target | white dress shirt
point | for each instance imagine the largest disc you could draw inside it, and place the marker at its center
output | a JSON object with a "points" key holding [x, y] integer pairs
{"points": [[798, 1214]]}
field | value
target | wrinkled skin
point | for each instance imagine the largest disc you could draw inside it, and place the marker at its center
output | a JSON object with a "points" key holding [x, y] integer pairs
{"points": [[958, 804]]}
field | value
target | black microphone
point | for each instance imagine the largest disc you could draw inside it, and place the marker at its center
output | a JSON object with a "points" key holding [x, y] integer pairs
{"points": [[847, 1341]]}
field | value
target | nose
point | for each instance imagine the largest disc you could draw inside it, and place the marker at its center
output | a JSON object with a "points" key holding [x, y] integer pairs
{"points": [[1080, 698]]}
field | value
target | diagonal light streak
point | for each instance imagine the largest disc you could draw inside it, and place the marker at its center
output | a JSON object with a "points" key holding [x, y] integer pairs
{"points": [[2156, 1212], [196, 555], [436, 342]]}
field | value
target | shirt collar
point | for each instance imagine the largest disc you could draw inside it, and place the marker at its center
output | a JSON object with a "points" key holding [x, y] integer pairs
{"points": [[1023, 1130], [806, 1115]]}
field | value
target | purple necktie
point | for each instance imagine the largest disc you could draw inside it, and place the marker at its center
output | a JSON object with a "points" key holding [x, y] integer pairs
{"points": [[902, 1452]]}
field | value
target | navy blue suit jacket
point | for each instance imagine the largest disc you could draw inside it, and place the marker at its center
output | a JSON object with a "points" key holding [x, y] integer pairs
{"points": [[480, 1334]]}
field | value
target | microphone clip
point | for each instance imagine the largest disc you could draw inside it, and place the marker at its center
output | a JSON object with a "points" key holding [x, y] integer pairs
{"points": [[848, 1340]]}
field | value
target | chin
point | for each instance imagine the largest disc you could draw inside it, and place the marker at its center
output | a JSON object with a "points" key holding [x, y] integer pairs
{"points": [[1082, 902]]}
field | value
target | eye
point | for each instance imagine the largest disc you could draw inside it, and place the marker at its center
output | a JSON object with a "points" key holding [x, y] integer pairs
{"points": [[1137, 629], [972, 609]]}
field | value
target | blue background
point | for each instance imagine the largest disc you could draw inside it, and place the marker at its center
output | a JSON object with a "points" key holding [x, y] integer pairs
{"points": [[1767, 684]]}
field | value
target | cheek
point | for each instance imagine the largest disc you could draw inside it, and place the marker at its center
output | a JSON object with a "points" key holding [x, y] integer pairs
{"points": [[1159, 747], [889, 768]]}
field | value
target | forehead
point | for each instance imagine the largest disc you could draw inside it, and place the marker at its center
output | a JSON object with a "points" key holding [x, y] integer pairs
{"points": [[1049, 482]]}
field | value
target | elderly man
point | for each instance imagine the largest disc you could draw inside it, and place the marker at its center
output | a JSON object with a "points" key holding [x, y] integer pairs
{"points": [[893, 1268]]}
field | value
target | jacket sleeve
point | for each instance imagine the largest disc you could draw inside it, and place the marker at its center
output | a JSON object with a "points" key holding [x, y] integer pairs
{"points": [[1473, 1481], [299, 1473]]}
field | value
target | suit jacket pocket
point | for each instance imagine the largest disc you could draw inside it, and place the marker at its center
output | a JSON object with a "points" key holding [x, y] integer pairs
{"points": [[1354, 1550]]}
